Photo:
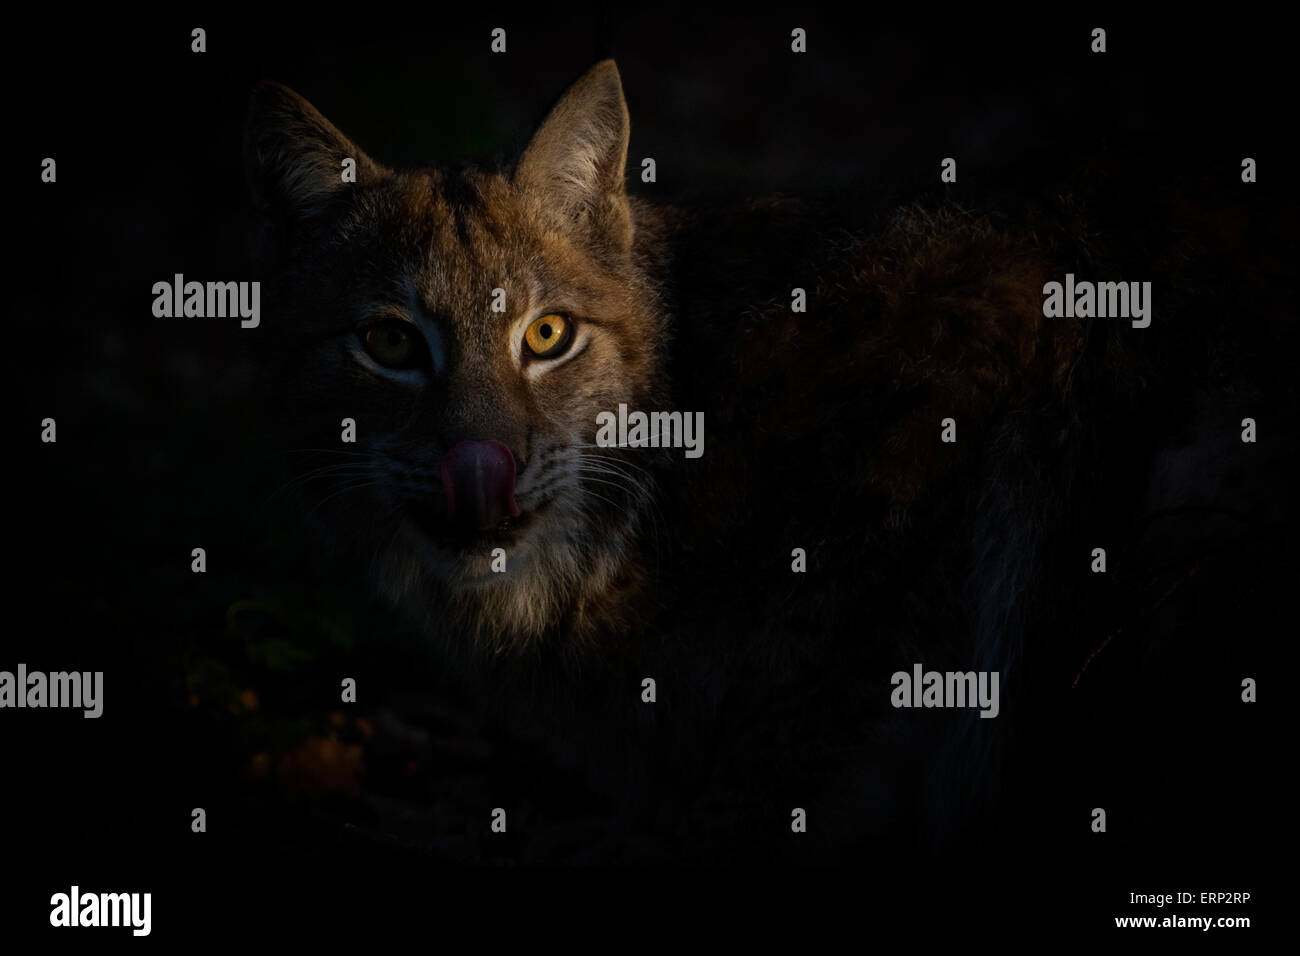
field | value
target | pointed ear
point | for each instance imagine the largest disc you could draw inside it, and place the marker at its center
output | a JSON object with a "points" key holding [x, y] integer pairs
{"points": [[575, 165], [294, 156]]}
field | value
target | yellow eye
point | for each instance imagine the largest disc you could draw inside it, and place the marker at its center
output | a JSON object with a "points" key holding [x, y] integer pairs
{"points": [[549, 335], [391, 343]]}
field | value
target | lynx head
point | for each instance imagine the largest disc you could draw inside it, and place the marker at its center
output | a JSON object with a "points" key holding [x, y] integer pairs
{"points": [[472, 324]]}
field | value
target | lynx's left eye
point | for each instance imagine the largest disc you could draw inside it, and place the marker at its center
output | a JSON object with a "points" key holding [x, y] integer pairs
{"points": [[549, 336], [391, 343]]}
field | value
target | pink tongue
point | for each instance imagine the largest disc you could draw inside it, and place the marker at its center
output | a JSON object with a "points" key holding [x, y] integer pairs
{"points": [[479, 480]]}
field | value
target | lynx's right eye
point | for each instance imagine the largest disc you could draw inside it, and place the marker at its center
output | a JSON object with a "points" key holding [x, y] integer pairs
{"points": [[549, 335], [391, 343]]}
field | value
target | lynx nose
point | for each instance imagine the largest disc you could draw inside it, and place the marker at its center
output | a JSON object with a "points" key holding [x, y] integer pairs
{"points": [[478, 478]]}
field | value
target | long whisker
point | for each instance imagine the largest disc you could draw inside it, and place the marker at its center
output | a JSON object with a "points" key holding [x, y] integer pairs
{"points": [[329, 451], [327, 471], [344, 489], [611, 456], [601, 481]]}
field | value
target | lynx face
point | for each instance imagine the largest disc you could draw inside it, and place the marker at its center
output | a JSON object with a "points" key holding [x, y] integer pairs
{"points": [[473, 326]]}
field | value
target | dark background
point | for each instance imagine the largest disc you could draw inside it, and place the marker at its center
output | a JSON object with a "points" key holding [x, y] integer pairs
{"points": [[222, 689]]}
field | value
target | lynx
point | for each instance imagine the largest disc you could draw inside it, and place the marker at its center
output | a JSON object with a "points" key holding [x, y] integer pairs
{"points": [[478, 325]]}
